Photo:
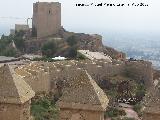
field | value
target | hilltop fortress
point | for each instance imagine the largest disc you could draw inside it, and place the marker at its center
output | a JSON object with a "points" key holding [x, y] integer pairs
{"points": [[78, 86], [46, 26]]}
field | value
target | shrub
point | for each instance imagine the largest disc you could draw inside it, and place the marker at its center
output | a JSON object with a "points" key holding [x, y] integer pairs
{"points": [[114, 112], [138, 109], [44, 109], [10, 52], [72, 41], [19, 42], [49, 49], [140, 92], [73, 52]]}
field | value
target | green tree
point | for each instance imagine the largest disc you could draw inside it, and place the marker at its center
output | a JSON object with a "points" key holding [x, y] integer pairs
{"points": [[72, 40], [18, 40], [73, 52], [49, 49], [9, 52]]}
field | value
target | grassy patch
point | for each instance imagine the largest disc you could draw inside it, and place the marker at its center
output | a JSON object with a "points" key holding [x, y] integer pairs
{"points": [[114, 112], [44, 109]]}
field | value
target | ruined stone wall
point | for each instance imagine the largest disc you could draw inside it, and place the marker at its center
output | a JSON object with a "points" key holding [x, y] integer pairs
{"points": [[85, 41], [15, 111], [36, 76], [46, 18], [61, 73], [140, 71], [71, 114], [103, 70], [115, 54], [151, 116], [19, 27], [40, 82], [89, 42]]}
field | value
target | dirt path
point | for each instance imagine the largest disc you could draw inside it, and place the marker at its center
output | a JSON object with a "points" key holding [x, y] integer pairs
{"points": [[131, 113]]}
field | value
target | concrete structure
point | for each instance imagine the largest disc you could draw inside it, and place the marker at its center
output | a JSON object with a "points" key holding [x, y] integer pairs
{"points": [[23, 27], [83, 99], [15, 96], [46, 19]]}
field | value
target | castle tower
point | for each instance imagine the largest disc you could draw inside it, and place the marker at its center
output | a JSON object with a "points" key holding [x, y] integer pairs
{"points": [[15, 96], [46, 19]]}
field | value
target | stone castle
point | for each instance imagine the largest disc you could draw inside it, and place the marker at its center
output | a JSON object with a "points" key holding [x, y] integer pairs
{"points": [[74, 83]]}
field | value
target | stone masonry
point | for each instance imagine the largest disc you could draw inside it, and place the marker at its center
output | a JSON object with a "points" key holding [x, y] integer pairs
{"points": [[46, 19], [15, 95], [83, 99]]}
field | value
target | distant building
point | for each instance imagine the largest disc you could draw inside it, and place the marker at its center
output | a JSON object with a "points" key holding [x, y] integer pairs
{"points": [[23, 27], [19, 27], [12, 31], [46, 19]]}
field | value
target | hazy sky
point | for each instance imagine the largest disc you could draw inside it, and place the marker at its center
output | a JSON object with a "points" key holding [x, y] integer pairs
{"points": [[90, 19]]}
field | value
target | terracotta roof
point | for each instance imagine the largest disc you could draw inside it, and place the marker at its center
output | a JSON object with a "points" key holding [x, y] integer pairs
{"points": [[13, 89], [83, 93]]}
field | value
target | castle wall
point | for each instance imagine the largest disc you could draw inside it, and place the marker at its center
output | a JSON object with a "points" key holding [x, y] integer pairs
{"points": [[46, 18], [15, 111], [89, 42], [39, 83], [19, 27], [103, 70], [151, 116], [71, 114], [140, 71]]}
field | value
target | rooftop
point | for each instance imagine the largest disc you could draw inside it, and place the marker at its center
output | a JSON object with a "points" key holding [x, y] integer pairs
{"points": [[83, 93], [13, 88]]}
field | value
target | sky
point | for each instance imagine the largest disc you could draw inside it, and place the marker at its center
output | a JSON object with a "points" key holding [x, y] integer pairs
{"points": [[90, 19]]}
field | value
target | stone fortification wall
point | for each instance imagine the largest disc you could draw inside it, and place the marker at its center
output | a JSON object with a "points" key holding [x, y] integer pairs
{"points": [[140, 71], [151, 116], [36, 76], [71, 114], [15, 112], [92, 42], [61, 71]]}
